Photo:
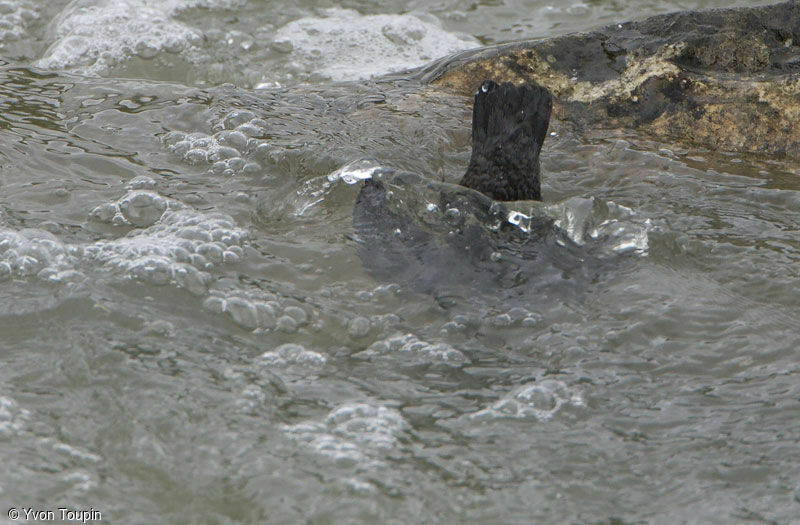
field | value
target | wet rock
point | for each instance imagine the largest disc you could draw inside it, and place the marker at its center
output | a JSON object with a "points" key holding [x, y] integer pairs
{"points": [[727, 79]]}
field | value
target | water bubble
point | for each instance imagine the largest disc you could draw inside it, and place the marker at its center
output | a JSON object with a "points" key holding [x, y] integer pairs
{"points": [[358, 327], [215, 304], [196, 156], [518, 313], [251, 130], [191, 279], [233, 139], [452, 327], [231, 257], [243, 312], [502, 320], [172, 138], [293, 354], [237, 118], [222, 153], [211, 251], [532, 320], [5, 271], [233, 165], [146, 51], [198, 261], [175, 45], [157, 270], [287, 324], [239, 39], [142, 208], [141, 182], [251, 168], [266, 315], [219, 167], [296, 313]]}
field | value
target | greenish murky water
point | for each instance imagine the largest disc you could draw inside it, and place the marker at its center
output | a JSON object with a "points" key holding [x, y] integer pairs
{"points": [[188, 333]]}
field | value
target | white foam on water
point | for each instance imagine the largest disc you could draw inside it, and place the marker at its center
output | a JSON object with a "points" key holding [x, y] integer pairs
{"points": [[15, 17], [540, 400], [13, 418], [179, 244], [31, 252], [345, 45], [228, 149], [259, 310], [411, 349], [23, 432], [516, 316], [292, 354], [76, 453], [91, 36], [247, 312], [174, 245], [355, 433]]}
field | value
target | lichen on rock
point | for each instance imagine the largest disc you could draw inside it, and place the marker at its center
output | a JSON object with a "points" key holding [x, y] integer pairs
{"points": [[726, 79]]}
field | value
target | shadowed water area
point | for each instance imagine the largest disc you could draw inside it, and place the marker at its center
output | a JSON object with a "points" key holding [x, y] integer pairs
{"points": [[189, 332]]}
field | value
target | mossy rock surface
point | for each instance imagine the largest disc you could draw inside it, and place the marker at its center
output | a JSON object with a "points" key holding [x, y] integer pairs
{"points": [[726, 79]]}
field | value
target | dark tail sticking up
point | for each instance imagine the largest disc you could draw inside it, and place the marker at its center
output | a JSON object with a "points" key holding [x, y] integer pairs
{"points": [[509, 124]]}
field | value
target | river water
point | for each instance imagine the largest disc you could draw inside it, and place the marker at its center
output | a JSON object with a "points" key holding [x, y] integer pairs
{"points": [[189, 335]]}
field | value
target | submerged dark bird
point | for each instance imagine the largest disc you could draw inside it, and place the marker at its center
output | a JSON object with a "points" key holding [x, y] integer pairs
{"points": [[464, 243]]}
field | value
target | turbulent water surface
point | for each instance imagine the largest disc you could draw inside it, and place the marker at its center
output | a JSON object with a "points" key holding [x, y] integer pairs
{"points": [[189, 334]]}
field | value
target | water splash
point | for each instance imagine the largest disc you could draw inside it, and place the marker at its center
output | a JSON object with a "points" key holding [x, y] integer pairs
{"points": [[356, 171]]}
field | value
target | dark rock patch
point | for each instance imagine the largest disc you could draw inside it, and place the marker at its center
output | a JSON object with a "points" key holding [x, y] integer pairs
{"points": [[727, 79]]}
